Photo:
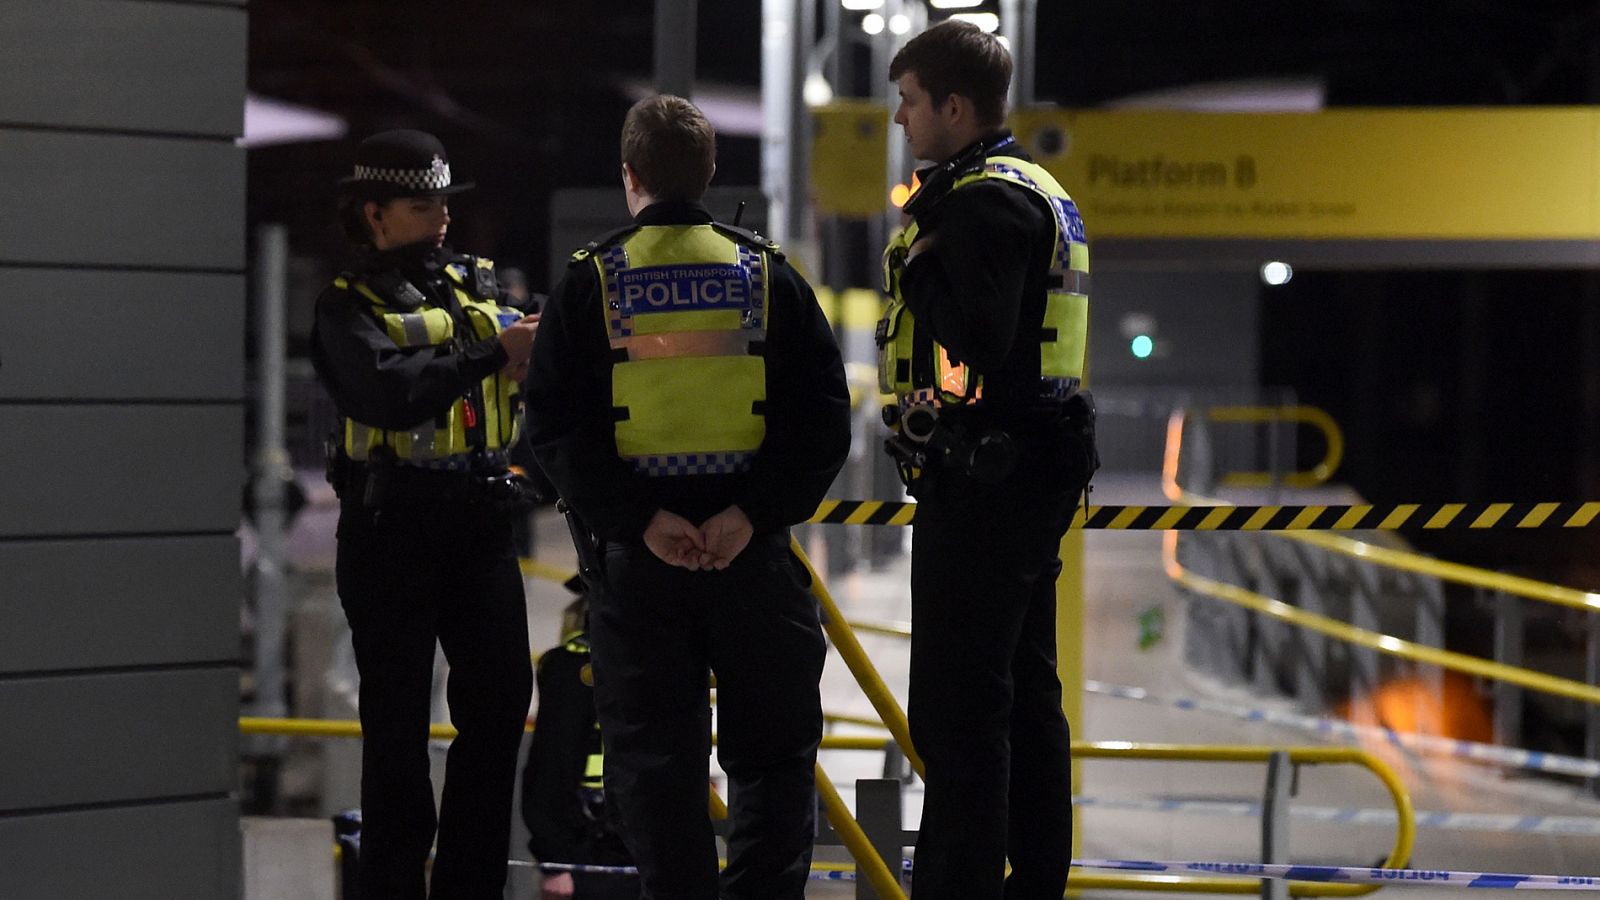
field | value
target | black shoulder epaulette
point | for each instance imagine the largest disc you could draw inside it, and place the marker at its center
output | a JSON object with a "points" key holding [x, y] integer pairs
{"points": [[600, 243], [396, 290], [749, 238]]}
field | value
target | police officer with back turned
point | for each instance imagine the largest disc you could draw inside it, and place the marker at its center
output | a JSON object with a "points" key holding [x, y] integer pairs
{"points": [[983, 345], [688, 401], [424, 362]]}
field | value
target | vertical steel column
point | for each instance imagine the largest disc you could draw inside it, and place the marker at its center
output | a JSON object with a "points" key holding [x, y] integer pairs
{"points": [[1591, 714], [1019, 21], [1275, 822], [1508, 633], [675, 46], [272, 470]]}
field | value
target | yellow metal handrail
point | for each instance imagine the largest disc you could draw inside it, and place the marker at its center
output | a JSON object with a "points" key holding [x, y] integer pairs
{"points": [[1306, 415], [868, 862], [1343, 631], [1399, 854], [1384, 556], [860, 665]]}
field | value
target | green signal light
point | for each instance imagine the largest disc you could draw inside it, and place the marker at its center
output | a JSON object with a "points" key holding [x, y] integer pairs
{"points": [[1142, 346]]}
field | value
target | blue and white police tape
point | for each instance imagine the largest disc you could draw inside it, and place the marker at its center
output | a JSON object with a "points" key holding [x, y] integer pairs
{"points": [[1573, 826], [1510, 757], [1356, 874]]}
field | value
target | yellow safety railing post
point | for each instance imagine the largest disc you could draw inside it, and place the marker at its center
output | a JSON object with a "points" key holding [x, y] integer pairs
{"points": [[868, 862], [1383, 643], [1306, 415], [860, 665], [1399, 852]]}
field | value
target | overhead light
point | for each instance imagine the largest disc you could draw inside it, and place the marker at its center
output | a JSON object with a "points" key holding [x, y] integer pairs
{"points": [[899, 23], [1277, 273], [872, 23], [987, 21], [860, 5], [817, 90], [956, 4]]}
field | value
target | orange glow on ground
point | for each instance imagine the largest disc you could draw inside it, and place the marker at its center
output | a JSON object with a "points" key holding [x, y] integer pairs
{"points": [[1408, 705]]}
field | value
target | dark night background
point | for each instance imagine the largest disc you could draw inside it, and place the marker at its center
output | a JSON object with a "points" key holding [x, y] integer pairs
{"points": [[1460, 385]]}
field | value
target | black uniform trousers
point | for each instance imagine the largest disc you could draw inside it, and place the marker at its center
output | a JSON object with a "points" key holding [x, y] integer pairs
{"points": [[985, 699], [411, 576], [656, 633]]}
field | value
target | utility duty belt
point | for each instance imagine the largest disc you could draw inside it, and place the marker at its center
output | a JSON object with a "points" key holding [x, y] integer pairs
{"points": [[382, 481], [980, 442]]}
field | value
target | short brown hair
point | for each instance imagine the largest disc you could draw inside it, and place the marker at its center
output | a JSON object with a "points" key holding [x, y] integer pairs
{"points": [[670, 147], [956, 57]]}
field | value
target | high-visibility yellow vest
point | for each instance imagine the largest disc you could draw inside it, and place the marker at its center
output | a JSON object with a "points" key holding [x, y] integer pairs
{"points": [[916, 369], [445, 440], [686, 310]]}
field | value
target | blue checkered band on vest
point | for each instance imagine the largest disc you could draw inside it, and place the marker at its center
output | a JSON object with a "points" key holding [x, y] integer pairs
{"points": [[1069, 223], [694, 463], [750, 260], [614, 260]]}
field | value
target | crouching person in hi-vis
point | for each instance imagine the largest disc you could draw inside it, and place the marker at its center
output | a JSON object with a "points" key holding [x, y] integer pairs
{"points": [[688, 401]]}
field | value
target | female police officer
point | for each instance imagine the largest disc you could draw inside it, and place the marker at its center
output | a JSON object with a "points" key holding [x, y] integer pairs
{"points": [[424, 364]]}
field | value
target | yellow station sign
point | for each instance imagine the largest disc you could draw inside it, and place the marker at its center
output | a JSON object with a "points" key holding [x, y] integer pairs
{"points": [[1451, 174]]}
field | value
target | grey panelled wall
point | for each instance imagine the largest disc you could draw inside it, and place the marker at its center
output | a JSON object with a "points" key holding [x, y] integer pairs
{"points": [[122, 260]]}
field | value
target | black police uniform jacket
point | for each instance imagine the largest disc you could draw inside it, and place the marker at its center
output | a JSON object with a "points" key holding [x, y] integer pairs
{"points": [[376, 383], [570, 401], [982, 291]]}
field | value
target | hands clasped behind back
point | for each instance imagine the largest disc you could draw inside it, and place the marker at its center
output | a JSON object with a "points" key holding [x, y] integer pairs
{"points": [[713, 545]]}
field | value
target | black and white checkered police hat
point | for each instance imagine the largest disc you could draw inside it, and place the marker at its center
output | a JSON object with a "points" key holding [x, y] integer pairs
{"points": [[401, 163]]}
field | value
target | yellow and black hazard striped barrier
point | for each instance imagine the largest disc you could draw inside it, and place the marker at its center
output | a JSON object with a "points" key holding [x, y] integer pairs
{"points": [[1389, 517]]}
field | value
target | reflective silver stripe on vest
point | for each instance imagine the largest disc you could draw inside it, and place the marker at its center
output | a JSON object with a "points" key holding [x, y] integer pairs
{"points": [[694, 463], [683, 344], [1072, 281], [416, 329]]}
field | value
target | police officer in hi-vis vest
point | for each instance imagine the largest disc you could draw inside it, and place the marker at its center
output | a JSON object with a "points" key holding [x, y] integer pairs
{"points": [[983, 345], [688, 401], [423, 361]]}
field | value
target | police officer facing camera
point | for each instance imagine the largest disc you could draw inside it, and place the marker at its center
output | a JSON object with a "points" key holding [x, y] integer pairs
{"points": [[689, 403], [983, 344], [424, 363]]}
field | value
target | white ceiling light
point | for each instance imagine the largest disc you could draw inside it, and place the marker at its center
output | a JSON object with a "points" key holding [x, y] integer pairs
{"points": [[956, 4], [872, 23], [817, 91], [987, 21], [899, 23], [861, 4]]}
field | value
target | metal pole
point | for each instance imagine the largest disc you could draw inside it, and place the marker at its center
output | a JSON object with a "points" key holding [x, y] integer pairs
{"points": [[1275, 822], [779, 92], [1508, 632], [1018, 22], [801, 37], [272, 470], [1591, 718], [675, 46]]}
